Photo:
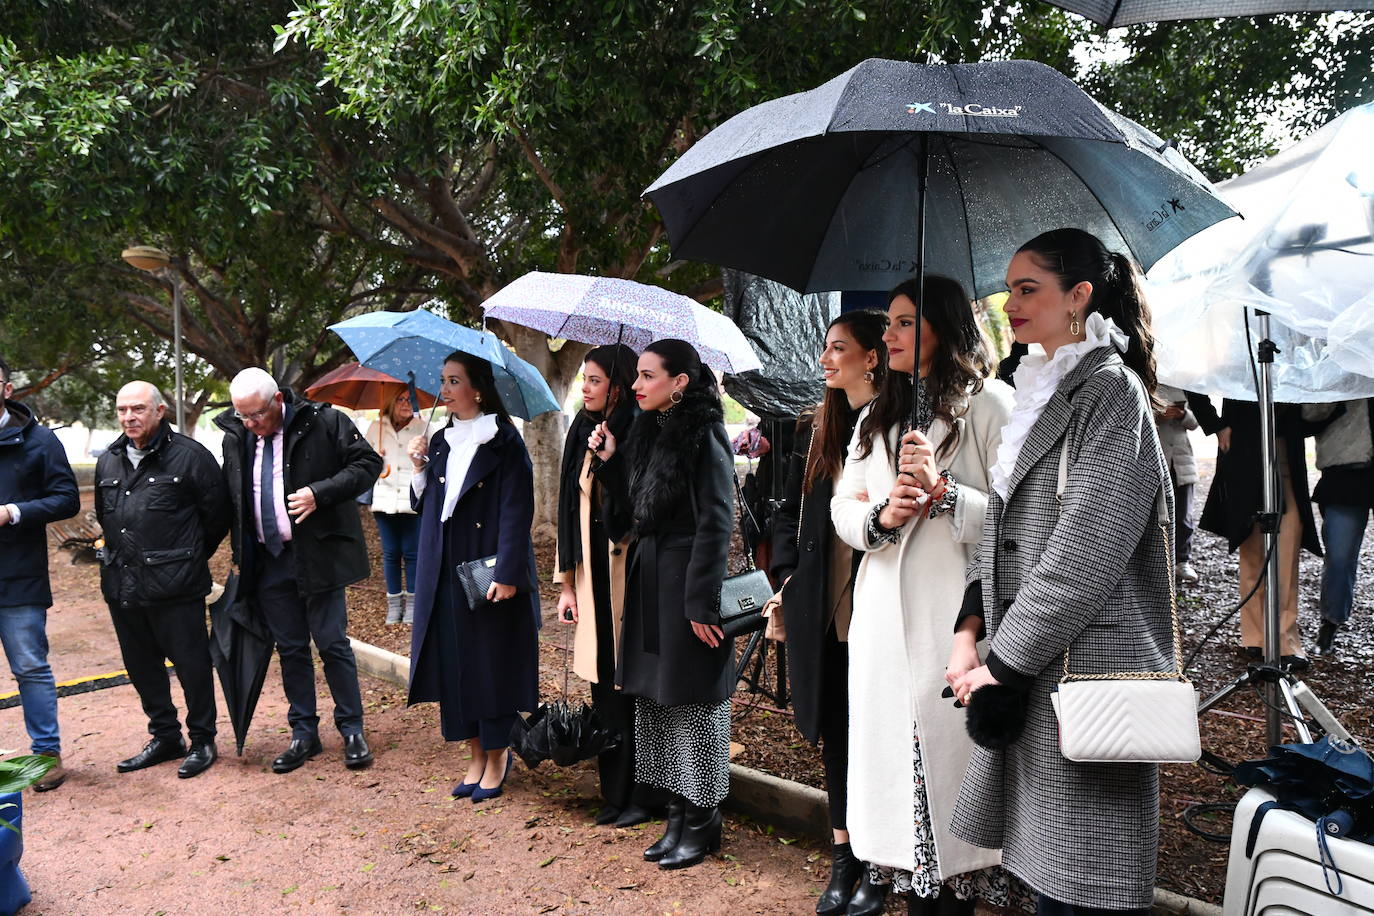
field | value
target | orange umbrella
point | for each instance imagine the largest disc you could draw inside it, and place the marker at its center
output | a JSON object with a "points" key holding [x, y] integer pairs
{"points": [[359, 388]]}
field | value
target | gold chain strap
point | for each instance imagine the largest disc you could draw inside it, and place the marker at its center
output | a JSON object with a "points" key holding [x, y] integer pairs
{"points": [[1174, 675]]}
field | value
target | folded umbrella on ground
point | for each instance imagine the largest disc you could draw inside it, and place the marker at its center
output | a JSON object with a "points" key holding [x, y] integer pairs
{"points": [[563, 733]]}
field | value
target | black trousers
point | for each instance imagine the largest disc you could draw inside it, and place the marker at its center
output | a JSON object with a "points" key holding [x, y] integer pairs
{"points": [[1045, 906], [294, 621], [617, 766], [834, 725], [149, 637]]}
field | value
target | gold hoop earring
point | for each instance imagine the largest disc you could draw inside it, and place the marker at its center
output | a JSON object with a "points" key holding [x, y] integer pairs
{"points": [[676, 396], [868, 376], [1075, 326]]}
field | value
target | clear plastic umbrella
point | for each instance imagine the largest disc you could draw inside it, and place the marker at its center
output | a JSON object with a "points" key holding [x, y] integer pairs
{"points": [[1304, 253]]}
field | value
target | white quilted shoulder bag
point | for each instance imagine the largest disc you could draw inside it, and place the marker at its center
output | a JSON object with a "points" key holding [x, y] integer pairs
{"points": [[1129, 717]]}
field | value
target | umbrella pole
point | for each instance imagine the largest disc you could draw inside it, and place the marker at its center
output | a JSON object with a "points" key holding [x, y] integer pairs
{"points": [[922, 175]]}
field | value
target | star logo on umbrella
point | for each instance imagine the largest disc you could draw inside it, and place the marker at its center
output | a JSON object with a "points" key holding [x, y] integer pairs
{"points": [[918, 107]]}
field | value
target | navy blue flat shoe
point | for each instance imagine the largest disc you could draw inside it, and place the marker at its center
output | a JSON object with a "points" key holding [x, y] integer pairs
{"points": [[480, 794]]}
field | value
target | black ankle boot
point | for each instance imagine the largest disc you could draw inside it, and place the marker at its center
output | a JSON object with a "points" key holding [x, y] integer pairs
{"points": [[700, 837], [844, 874], [677, 812], [868, 900]]}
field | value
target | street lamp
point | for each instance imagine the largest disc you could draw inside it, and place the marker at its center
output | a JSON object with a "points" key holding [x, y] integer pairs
{"points": [[156, 261]]}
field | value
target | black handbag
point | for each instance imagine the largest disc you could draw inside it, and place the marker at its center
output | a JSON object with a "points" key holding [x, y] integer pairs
{"points": [[742, 599], [475, 578]]}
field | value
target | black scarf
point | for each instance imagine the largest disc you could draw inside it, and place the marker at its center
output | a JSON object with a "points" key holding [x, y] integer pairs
{"points": [[570, 488]]}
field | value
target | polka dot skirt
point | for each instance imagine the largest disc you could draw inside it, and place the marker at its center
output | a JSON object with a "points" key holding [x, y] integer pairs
{"points": [[684, 749]]}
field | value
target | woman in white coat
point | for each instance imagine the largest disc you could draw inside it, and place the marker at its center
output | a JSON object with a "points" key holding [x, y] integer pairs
{"points": [[908, 746], [398, 526]]}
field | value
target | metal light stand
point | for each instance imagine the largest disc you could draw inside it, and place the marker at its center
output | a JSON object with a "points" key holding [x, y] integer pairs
{"points": [[1277, 683]]}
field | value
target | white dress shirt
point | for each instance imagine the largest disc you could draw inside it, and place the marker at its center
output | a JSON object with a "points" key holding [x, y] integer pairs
{"points": [[464, 437]]}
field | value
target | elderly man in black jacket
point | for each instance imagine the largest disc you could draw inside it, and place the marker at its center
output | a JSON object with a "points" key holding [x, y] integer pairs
{"points": [[163, 508], [294, 470]]}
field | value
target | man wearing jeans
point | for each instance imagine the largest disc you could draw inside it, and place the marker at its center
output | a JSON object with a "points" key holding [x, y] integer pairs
{"points": [[294, 469], [1345, 455], [36, 487]]}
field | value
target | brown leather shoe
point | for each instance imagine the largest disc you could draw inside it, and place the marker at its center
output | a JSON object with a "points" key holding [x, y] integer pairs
{"points": [[54, 777]]}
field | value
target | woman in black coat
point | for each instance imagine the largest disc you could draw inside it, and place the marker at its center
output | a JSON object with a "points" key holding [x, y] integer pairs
{"points": [[591, 571], [672, 489], [474, 490], [816, 570], [1235, 500]]}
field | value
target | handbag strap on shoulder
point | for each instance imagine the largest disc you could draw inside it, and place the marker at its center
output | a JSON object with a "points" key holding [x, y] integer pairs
{"points": [[1162, 521]]}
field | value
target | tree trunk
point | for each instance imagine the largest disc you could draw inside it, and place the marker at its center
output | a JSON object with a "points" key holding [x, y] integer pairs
{"points": [[544, 435]]}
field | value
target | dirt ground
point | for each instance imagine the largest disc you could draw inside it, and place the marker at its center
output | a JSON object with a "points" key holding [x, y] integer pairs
{"points": [[240, 839]]}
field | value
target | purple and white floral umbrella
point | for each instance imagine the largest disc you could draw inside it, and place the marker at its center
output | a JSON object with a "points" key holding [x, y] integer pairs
{"points": [[605, 310]]}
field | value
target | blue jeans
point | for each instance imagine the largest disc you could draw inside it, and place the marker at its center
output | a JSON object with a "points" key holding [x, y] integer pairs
{"points": [[400, 536], [1342, 533], [23, 630]]}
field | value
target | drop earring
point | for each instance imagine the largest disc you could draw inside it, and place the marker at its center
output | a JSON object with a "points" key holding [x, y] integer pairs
{"points": [[1075, 326], [868, 376]]}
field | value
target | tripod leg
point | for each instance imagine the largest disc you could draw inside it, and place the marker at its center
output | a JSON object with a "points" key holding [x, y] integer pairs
{"points": [[742, 668], [1211, 702], [1285, 689], [1329, 723]]}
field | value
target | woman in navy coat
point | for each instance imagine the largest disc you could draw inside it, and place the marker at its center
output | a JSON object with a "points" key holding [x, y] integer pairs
{"points": [[474, 490]]}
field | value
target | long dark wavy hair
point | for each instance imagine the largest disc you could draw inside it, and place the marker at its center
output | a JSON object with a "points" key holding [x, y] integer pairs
{"points": [[961, 363], [829, 437], [681, 358], [617, 363], [481, 378], [1075, 256]]}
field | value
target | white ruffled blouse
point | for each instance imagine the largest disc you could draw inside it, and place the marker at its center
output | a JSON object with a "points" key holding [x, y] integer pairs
{"points": [[1036, 379], [464, 437]]}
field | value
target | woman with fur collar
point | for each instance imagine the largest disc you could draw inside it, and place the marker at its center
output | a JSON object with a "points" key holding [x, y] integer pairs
{"points": [[916, 507], [671, 485], [591, 574]]}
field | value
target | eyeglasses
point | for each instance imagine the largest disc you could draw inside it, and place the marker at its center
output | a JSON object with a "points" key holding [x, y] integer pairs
{"points": [[253, 417]]}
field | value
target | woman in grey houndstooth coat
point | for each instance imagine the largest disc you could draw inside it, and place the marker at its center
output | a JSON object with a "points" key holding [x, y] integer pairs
{"points": [[1090, 577]]}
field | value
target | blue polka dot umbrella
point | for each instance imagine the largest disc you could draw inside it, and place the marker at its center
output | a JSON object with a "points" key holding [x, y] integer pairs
{"points": [[607, 310], [401, 343]]}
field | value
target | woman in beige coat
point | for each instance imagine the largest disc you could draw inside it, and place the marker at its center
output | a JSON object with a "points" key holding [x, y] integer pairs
{"points": [[591, 571], [907, 746]]}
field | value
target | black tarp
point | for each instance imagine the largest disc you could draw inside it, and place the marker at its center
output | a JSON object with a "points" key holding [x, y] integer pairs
{"points": [[787, 330]]}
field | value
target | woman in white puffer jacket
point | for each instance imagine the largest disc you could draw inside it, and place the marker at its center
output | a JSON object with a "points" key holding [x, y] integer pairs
{"points": [[397, 524]]}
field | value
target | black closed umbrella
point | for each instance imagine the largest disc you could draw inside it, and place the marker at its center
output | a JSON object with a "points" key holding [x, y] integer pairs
{"points": [[561, 731], [241, 650]]}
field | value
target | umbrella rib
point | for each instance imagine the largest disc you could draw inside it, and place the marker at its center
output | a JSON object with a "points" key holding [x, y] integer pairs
{"points": [[968, 236]]}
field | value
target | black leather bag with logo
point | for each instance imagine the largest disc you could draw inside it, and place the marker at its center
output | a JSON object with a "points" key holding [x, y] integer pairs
{"points": [[475, 578], [742, 599]]}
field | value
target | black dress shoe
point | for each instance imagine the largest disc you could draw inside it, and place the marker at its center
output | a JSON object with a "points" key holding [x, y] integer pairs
{"points": [[356, 752], [297, 752], [845, 871], [1294, 663], [158, 750], [700, 837], [870, 898], [672, 832], [606, 816], [633, 816], [944, 905], [1326, 637], [199, 760]]}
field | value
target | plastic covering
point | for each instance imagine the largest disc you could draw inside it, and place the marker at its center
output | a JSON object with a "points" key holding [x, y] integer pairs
{"points": [[787, 331], [1303, 253]]}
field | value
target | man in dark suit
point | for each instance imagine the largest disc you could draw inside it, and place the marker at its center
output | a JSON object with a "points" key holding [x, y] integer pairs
{"points": [[36, 487], [294, 470], [162, 504]]}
